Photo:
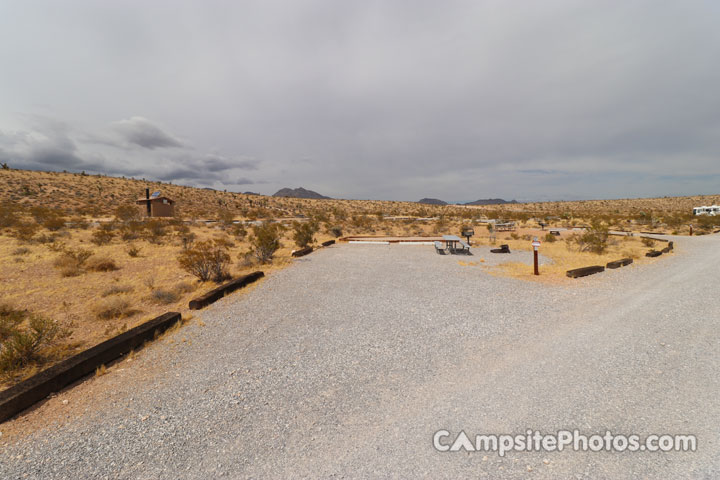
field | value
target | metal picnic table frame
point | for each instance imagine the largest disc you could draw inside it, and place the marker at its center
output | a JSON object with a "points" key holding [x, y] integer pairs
{"points": [[451, 242]]}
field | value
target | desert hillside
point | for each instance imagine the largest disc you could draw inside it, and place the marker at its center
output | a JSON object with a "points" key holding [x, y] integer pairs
{"points": [[98, 196]]}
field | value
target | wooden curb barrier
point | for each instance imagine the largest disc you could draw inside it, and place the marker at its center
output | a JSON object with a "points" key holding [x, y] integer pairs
{"points": [[328, 243], [585, 271], [302, 252], [25, 394], [654, 253], [619, 263], [217, 293]]}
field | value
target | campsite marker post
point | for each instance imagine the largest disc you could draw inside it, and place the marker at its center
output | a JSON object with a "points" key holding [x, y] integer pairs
{"points": [[536, 244]]}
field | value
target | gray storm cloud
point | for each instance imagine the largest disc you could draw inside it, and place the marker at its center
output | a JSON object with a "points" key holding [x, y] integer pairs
{"points": [[393, 100], [141, 131]]}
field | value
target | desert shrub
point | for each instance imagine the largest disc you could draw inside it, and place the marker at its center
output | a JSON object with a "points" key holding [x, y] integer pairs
{"points": [[56, 246], [24, 231], [21, 251], [514, 236], [188, 240], [8, 216], [40, 214], [265, 241], [361, 222], [126, 213], [239, 231], [594, 239], [206, 260], [54, 223], [47, 238], [117, 290], [10, 319], [167, 296], [114, 307], [133, 251], [335, 231], [164, 297], [226, 217], [70, 262], [648, 242], [21, 343], [179, 226], [304, 233], [102, 264], [705, 222], [440, 225], [131, 230], [550, 238], [224, 241], [248, 259], [103, 234], [156, 231]]}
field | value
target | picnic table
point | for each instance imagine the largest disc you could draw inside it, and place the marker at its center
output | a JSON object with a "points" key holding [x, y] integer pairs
{"points": [[451, 244]]}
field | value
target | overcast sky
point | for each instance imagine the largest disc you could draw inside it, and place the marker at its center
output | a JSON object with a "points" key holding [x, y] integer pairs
{"points": [[396, 100]]}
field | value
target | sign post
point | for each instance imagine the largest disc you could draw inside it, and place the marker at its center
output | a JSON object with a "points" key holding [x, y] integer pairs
{"points": [[535, 245]]}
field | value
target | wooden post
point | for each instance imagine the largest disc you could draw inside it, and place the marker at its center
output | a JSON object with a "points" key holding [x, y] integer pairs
{"points": [[535, 245]]}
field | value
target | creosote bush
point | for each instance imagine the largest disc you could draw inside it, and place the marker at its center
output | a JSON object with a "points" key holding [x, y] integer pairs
{"points": [[304, 233], [595, 238], [24, 231], [156, 231], [24, 337], [71, 262], [206, 260], [103, 234], [265, 241], [8, 216], [126, 213], [102, 265]]}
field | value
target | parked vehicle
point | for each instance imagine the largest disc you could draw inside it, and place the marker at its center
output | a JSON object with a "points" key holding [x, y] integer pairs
{"points": [[711, 210]]}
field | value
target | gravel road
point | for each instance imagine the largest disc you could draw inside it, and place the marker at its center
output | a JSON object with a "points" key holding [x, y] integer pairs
{"points": [[345, 365]]}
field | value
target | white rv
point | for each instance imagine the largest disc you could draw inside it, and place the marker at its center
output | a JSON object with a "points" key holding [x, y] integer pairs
{"points": [[711, 210]]}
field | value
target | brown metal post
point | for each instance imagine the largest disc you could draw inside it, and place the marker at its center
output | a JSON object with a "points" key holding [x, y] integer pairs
{"points": [[535, 255], [147, 197]]}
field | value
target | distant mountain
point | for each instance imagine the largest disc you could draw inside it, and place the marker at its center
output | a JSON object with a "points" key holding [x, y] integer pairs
{"points": [[432, 201], [298, 193], [252, 193], [490, 201]]}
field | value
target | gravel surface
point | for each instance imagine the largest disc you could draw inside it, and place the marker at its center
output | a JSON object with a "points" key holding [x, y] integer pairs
{"points": [[345, 364]]}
